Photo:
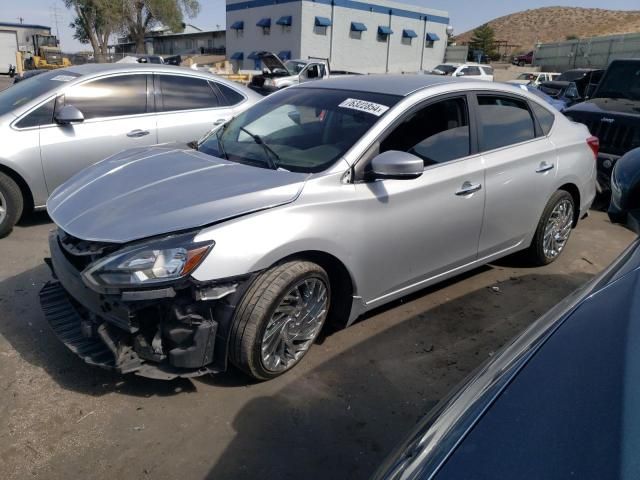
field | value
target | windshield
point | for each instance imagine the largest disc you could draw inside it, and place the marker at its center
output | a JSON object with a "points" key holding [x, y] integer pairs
{"points": [[298, 129], [31, 88], [527, 76], [621, 81], [445, 68], [294, 67], [571, 75]]}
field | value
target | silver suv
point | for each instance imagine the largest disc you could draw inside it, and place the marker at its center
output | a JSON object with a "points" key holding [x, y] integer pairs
{"points": [[59, 122], [319, 203]]}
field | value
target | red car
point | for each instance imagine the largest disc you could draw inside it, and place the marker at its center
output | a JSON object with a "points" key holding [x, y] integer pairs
{"points": [[522, 60]]}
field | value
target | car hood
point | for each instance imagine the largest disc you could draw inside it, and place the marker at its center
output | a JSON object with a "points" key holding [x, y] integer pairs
{"points": [[272, 62], [519, 82], [605, 106], [145, 192]]}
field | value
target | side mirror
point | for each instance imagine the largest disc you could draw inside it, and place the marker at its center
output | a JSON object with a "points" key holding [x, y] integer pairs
{"points": [[397, 166], [68, 114], [625, 191]]}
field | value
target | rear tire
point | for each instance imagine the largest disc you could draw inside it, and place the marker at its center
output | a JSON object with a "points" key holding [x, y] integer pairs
{"points": [[554, 229], [279, 318], [11, 204]]}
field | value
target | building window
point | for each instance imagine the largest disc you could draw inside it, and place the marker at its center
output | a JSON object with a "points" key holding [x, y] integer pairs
{"points": [[356, 30], [265, 24], [285, 22], [430, 40], [383, 33], [320, 25], [188, 44], [407, 36]]}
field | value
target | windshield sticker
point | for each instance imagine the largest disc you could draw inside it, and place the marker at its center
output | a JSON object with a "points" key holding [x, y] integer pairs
{"points": [[63, 78], [364, 106]]}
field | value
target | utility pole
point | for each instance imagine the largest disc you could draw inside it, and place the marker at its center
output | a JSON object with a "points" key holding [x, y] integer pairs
{"points": [[56, 16]]}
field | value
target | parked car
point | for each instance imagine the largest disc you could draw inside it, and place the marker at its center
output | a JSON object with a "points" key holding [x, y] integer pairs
{"points": [[445, 69], [273, 226], [61, 121], [475, 71], [27, 74], [524, 59], [278, 74], [560, 401], [557, 103], [584, 80], [613, 115], [534, 78]]}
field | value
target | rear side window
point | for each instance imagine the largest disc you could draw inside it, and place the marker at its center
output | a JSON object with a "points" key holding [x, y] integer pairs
{"points": [[471, 71], [487, 70], [544, 116], [43, 115], [230, 96], [109, 97], [186, 93], [437, 133], [504, 121]]}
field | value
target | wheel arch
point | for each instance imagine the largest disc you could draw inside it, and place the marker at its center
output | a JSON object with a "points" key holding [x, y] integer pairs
{"points": [[342, 283], [573, 190], [25, 190]]}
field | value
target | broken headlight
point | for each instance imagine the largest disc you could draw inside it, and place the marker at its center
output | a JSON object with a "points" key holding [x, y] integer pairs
{"points": [[149, 263]]}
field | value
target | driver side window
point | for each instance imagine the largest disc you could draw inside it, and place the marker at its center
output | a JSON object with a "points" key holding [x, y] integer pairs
{"points": [[437, 133]]}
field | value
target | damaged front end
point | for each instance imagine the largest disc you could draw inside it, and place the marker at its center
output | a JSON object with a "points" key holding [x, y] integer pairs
{"points": [[136, 310]]}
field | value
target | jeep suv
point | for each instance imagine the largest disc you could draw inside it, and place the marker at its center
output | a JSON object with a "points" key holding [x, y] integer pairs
{"points": [[613, 115]]}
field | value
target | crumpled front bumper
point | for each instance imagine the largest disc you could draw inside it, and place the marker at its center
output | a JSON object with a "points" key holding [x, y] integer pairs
{"points": [[164, 338]]}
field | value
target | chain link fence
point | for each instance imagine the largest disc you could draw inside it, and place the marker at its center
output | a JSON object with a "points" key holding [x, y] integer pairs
{"points": [[594, 52]]}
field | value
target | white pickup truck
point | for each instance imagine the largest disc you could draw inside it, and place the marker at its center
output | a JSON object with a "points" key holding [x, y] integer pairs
{"points": [[278, 74]]}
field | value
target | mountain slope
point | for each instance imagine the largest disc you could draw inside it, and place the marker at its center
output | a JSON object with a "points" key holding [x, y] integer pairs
{"points": [[553, 24]]}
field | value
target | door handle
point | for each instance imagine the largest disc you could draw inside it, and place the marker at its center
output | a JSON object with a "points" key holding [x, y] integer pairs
{"points": [[545, 167], [137, 133], [468, 187]]}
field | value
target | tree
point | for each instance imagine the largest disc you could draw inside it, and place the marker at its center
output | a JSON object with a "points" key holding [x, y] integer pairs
{"points": [[139, 16], [94, 22], [484, 39]]}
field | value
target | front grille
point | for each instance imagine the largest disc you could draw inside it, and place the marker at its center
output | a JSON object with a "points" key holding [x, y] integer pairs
{"points": [[80, 253], [615, 137]]}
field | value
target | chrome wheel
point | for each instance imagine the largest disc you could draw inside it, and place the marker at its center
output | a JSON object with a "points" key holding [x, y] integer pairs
{"points": [[294, 325], [558, 229], [3, 207]]}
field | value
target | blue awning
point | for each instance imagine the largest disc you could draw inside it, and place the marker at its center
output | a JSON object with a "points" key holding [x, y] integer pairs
{"points": [[284, 21], [408, 33], [239, 25], [284, 55], [432, 37], [384, 30], [264, 23], [358, 27], [237, 56], [322, 22], [253, 56]]}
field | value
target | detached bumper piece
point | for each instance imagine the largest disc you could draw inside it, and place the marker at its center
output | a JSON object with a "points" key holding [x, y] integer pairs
{"points": [[66, 324], [102, 344]]}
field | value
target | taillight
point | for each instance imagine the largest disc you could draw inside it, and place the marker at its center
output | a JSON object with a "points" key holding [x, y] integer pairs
{"points": [[594, 145]]}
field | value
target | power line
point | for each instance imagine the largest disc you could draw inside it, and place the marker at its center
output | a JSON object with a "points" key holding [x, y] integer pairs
{"points": [[56, 16]]}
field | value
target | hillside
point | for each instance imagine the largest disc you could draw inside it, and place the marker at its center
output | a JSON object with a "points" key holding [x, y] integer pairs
{"points": [[553, 24]]}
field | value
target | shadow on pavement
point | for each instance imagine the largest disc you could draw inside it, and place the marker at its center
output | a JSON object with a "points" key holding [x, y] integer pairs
{"points": [[341, 419], [34, 218]]}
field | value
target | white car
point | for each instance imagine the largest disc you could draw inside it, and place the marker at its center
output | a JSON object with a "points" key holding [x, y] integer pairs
{"points": [[474, 70], [534, 78]]}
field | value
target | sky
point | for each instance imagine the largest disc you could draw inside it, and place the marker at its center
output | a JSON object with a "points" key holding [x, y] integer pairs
{"points": [[464, 14]]}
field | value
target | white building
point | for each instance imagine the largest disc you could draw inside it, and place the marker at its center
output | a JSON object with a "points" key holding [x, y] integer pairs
{"points": [[375, 36]]}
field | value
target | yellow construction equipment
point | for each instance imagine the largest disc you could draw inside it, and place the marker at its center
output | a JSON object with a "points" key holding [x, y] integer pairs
{"points": [[46, 54]]}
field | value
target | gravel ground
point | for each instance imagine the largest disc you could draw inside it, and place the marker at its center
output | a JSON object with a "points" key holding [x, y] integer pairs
{"points": [[335, 416]]}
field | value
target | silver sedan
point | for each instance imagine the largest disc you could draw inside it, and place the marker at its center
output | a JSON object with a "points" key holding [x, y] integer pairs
{"points": [[317, 204], [59, 122]]}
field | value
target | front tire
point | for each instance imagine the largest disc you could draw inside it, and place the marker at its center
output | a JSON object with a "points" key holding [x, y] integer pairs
{"points": [[11, 204], [554, 229], [279, 318]]}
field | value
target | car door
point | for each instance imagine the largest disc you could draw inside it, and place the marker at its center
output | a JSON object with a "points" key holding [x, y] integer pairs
{"points": [[428, 226], [118, 115], [470, 71], [520, 170], [188, 107], [310, 72]]}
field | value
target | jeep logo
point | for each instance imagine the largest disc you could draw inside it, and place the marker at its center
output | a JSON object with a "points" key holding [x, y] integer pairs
{"points": [[607, 119]]}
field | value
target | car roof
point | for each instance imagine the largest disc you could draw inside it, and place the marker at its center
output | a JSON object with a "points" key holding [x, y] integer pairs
{"points": [[395, 84], [96, 68]]}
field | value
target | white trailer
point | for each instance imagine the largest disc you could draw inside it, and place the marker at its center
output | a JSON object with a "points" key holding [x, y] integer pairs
{"points": [[8, 49]]}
